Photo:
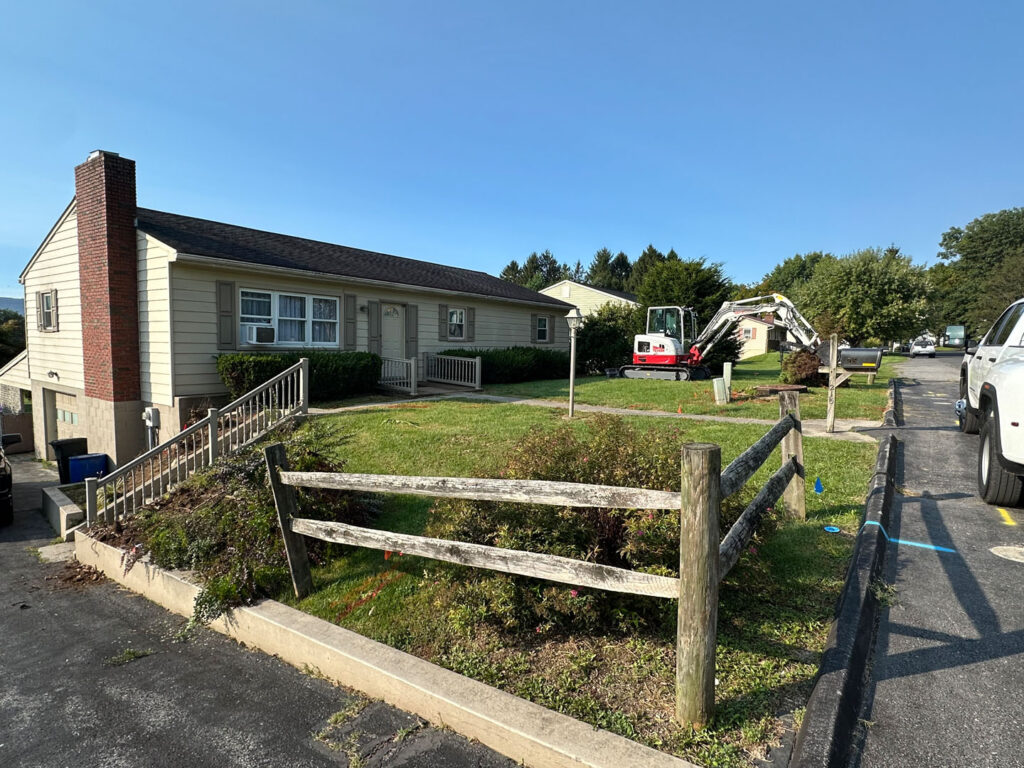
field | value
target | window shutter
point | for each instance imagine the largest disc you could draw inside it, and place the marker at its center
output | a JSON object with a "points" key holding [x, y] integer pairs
{"points": [[225, 315], [412, 338], [470, 324], [551, 329], [442, 322], [753, 333], [533, 327], [373, 337], [39, 311], [350, 321], [54, 314]]}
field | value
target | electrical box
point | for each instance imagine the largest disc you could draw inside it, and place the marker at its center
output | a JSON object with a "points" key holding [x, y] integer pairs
{"points": [[151, 416]]}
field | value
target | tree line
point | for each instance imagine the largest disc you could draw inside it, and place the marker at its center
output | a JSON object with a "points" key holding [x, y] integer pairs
{"points": [[869, 297]]}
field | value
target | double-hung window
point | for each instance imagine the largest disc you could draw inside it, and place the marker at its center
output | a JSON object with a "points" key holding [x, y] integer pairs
{"points": [[542, 328], [297, 319], [456, 324], [46, 311]]}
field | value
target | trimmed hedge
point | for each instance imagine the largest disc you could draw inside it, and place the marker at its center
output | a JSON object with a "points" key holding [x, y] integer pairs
{"points": [[332, 375], [515, 364]]}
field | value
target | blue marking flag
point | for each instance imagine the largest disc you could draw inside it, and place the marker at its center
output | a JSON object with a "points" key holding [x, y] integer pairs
{"points": [[832, 529], [818, 487]]}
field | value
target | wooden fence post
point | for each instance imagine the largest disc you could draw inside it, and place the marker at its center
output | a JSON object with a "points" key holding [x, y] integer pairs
{"points": [[213, 414], [833, 364], [698, 583], [793, 445], [285, 499]]}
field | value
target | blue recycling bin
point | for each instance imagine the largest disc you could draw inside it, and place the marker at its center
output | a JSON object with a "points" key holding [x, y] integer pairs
{"points": [[86, 465]]}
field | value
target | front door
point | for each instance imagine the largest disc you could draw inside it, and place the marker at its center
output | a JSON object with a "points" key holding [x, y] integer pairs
{"points": [[392, 331]]}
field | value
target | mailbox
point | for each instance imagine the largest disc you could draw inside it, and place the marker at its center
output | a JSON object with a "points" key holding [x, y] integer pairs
{"points": [[864, 359]]}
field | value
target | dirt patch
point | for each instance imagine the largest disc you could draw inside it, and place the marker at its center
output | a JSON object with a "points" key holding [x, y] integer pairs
{"points": [[75, 575]]}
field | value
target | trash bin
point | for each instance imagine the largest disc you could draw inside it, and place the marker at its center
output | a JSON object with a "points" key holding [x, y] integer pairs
{"points": [[64, 450], [86, 465]]}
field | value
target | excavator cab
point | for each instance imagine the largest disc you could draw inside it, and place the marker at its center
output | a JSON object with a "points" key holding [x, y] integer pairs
{"points": [[671, 321]]}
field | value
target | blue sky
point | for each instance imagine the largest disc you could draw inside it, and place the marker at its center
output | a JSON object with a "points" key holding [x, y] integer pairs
{"points": [[474, 133]]}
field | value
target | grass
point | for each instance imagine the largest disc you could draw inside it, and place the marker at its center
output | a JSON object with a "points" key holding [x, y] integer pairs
{"points": [[858, 401], [774, 614], [127, 656]]}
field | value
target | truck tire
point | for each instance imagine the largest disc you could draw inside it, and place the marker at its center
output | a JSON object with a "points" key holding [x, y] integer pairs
{"points": [[969, 423], [995, 484]]}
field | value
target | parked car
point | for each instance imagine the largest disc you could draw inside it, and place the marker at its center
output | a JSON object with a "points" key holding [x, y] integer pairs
{"points": [[6, 481], [992, 404], [922, 347]]}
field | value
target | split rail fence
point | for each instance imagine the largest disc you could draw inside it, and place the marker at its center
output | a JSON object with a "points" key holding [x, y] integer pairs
{"points": [[704, 558], [222, 431]]}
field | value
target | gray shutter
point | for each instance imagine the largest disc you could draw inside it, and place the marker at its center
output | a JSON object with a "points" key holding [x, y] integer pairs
{"points": [[225, 315], [470, 324], [53, 310], [533, 327], [349, 332], [412, 334], [373, 336], [39, 311], [442, 322], [551, 329]]}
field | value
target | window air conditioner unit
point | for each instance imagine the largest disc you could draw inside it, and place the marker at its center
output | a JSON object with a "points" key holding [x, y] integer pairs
{"points": [[259, 334]]}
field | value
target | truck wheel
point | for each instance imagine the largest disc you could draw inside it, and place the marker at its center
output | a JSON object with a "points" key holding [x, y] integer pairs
{"points": [[995, 484], [969, 423]]}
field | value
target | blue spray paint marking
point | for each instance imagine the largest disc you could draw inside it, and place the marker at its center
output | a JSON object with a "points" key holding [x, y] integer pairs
{"points": [[908, 543], [818, 487], [831, 529]]}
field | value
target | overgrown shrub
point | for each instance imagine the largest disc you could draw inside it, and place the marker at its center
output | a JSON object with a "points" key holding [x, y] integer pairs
{"points": [[605, 340], [607, 452], [801, 367], [332, 375], [515, 364]]}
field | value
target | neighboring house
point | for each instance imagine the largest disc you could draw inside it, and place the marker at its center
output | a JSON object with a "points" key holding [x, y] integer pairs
{"points": [[16, 402], [128, 308], [758, 336], [586, 297]]}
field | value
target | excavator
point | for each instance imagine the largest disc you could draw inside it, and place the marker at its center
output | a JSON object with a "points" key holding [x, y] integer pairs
{"points": [[667, 352]]}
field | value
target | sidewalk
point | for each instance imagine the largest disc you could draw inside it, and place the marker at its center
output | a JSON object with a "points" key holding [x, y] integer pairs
{"points": [[845, 428], [947, 685], [93, 675]]}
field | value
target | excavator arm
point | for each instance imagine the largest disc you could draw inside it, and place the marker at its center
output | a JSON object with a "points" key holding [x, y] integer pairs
{"points": [[732, 311]]}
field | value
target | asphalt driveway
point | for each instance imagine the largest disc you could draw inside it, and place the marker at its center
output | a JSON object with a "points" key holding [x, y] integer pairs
{"points": [[92, 675], [947, 684]]}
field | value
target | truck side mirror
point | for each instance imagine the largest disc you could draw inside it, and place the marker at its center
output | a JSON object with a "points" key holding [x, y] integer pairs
{"points": [[972, 351], [12, 439]]}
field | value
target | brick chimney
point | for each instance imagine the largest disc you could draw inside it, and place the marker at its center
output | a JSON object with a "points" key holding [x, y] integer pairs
{"points": [[108, 273]]}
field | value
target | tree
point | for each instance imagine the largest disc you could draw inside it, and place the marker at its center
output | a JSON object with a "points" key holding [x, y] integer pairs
{"points": [[789, 277], [871, 295], [12, 335], [621, 270], [600, 274], [538, 271], [605, 340], [977, 253], [649, 258]]}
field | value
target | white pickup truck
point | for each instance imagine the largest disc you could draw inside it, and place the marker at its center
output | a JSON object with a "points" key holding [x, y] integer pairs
{"points": [[992, 403]]}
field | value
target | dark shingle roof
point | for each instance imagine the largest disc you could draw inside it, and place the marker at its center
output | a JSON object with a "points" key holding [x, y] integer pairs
{"points": [[200, 237]]}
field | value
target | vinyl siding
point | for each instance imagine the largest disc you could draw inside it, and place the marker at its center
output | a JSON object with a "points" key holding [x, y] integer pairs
{"points": [[194, 315], [154, 320], [56, 267], [586, 299]]}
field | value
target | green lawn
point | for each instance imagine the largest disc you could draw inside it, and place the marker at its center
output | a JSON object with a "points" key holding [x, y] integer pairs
{"points": [[858, 401], [775, 607]]}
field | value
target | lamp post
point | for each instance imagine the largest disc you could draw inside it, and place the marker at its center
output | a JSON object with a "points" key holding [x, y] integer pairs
{"points": [[575, 320]]}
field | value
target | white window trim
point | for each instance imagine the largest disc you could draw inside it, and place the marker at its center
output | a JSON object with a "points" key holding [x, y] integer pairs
{"points": [[48, 317], [274, 319], [462, 312], [545, 338], [747, 334]]}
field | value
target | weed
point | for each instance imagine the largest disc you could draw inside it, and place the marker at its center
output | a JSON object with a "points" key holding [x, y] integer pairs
{"points": [[127, 656], [883, 592]]}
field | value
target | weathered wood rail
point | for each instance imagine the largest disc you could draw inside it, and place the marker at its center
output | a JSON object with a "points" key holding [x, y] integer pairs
{"points": [[704, 557]]}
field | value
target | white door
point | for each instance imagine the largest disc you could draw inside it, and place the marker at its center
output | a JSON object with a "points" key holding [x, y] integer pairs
{"points": [[392, 330]]}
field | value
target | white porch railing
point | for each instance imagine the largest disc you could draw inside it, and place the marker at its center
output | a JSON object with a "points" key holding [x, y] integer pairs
{"points": [[224, 430], [460, 371], [398, 374]]}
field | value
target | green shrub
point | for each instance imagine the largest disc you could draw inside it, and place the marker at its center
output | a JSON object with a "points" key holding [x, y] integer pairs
{"points": [[607, 452], [332, 375], [515, 364], [801, 367], [605, 340]]}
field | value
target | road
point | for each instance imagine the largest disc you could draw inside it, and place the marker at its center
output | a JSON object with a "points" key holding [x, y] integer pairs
{"points": [[947, 685], [93, 675]]}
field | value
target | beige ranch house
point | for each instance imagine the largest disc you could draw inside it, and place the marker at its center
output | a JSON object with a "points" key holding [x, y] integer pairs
{"points": [[128, 308], [587, 298]]}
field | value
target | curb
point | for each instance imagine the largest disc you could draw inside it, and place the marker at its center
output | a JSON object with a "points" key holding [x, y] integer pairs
{"points": [[893, 414], [519, 729], [831, 718]]}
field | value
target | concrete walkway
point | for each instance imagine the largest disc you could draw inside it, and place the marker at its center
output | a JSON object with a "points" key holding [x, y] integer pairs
{"points": [[845, 428], [92, 675], [947, 681]]}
